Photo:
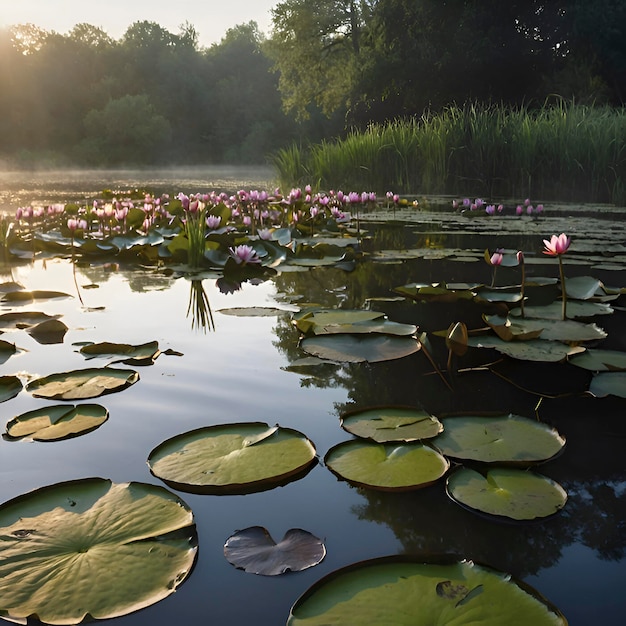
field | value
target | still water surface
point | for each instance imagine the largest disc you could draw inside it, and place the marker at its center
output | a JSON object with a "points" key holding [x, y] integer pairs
{"points": [[242, 370]]}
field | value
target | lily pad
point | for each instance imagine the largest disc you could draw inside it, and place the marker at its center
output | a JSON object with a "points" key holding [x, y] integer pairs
{"points": [[142, 354], [57, 422], [608, 384], [406, 591], [253, 311], [506, 492], [582, 287], [254, 551], [532, 350], [48, 332], [308, 321], [358, 349], [232, 458], [575, 310], [503, 439], [10, 386], [600, 360], [386, 467], [24, 319], [29, 296], [550, 330], [436, 292], [82, 384], [92, 549], [391, 423], [7, 349]]}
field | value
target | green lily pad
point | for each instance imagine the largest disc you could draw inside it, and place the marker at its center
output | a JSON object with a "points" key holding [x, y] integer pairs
{"points": [[391, 423], [82, 384], [386, 467], [600, 360], [532, 350], [254, 551], [57, 422], [48, 332], [550, 330], [253, 311], [232, 458], [358, 349], [503, 439], [437, 292], [506, 492], [511, 330], [142, 354], [10, 386], [313, 322], [608, 384], [92, 549], [582, 287], [499, 295], [406, 591], [575, 310]]}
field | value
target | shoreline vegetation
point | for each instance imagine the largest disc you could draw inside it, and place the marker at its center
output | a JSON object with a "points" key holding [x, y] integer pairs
{"points": [[561, 151]]}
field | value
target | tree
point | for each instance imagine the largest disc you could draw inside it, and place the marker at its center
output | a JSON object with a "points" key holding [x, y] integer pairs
{"points": [[316, 48]]}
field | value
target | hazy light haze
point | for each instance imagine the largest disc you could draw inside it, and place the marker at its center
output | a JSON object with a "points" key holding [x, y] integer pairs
{"points": [[210, 19]]}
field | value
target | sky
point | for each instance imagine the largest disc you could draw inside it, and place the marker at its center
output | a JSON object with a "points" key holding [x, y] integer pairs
{"points": [[211, 19]]}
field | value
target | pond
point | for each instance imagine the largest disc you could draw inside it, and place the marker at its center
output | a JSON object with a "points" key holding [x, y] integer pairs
{"points": [[243, 362]]}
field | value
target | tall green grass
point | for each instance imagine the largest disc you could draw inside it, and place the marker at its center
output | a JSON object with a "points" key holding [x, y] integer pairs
{"points": [[561, 151]]}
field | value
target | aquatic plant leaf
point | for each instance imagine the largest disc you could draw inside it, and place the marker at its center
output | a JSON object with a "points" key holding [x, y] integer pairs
{"points": [[60, 421], [386, 467], [142, 354], [437, 292], [608, 384], [391, 423], [253, 311], [350, 348], [7, 348], [495, 295], [232, 458], [254, 551], [10, 386], [532, 350], [582, 287], [596, 360], [550, 330], [554, 311], [48, 332], [24, 319], [29, 296], [510, 330], [408, 591], [137, 542], [502, 439], [82, 384], [314, 322], [506, 492]]}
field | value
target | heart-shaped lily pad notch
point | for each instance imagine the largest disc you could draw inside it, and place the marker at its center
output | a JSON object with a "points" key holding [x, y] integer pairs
{"points": [[10, 386], [142, 354], [92, 549], [510, 439], [82, 384], [359, 348], [386, 467], [56, 422], [506, 492], [391, 423], [405, 591], [233, 458], [254, 551]]}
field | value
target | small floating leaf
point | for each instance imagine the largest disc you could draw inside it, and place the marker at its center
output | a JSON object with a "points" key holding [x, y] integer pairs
{"points": [[387, 467], [142, 354], [550, 330], [389, 423], [48, 332], [10, 386], [29, 296], [232, 458], [254, 551], [600, 360], [358, 349], [407, 591], [24, 319], [575, 310], [582, 287], [532, 350], [506, 492], [82, 384], [57, 422], [608, 384], [139, 538], [504, 439]]}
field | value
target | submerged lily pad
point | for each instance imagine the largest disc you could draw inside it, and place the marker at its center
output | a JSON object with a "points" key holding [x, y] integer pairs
{"points": [[391, 423], [506, 492], [254, 551], [57, 422], [142, 354], [82, 384], [387, 467], [10, 386], [406, 591], [503, 439], [232, 458], [92, 549], [358, 349]]}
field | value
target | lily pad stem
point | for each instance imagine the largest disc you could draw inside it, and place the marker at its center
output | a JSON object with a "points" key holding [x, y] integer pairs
{"points": [[563, 290]]}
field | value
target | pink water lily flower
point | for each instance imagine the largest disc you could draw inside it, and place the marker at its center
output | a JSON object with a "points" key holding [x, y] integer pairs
{"points": [[496, 258], [244, 254], [557, 245]]}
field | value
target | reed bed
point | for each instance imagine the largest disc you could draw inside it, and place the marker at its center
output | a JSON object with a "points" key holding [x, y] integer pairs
{"points": [[561, 151]]}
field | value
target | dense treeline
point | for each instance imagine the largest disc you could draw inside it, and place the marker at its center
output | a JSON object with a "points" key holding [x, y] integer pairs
{"points": [[330, 67]]}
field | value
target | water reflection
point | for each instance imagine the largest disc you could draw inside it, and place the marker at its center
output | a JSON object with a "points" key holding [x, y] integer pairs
{"points": [[199, 307]]}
